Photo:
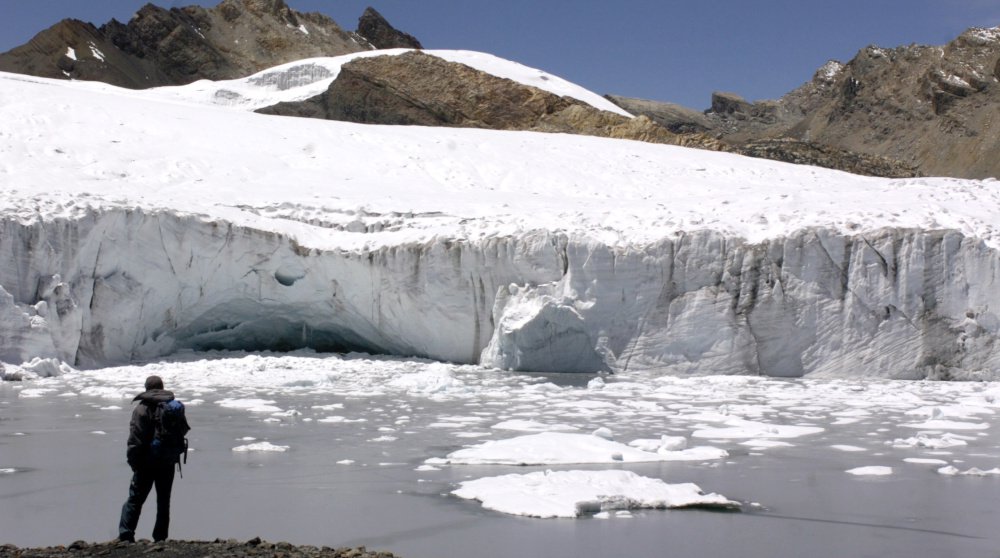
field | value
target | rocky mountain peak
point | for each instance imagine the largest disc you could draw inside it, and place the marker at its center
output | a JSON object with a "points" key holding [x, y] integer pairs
{"points": [[377, 31], [931, 107], [159, 46]]}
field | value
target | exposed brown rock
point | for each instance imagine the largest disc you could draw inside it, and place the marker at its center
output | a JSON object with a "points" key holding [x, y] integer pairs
{"points": [[677, 119], [419, 89], [180, 45], [936, 109]]}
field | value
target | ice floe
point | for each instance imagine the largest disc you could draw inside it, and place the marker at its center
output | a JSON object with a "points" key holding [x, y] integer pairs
{"points": [[558, 448], [568, 494], [260, 446], [871, 470]]}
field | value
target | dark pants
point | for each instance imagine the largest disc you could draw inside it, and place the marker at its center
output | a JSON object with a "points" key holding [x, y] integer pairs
{"points": [[143, 480]]}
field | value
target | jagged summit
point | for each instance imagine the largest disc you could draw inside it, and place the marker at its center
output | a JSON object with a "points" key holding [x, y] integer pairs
{"points": [[373, 27], [159, 46], [932, 108]]}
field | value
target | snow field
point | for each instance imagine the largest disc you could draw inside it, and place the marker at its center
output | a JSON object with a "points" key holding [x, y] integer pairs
{"points": [[376, 235]]}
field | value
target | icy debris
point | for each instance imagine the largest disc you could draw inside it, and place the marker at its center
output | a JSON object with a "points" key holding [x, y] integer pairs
{"points": [[604, 432], [34, 369], [873, 470], [663, 443], [569, 494], [741, 428], [596, 383], [846, 447], [925, 461], [951, 470], [252, 405], [554, 448], [260, 446], [924, 440], [940, 424]]}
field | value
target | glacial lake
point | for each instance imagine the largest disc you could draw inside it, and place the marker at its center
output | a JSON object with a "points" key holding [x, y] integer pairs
{"points": [[356, 429]]}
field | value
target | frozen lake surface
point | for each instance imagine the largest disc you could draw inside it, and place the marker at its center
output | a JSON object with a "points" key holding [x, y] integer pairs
{"points": [[821, 467]]}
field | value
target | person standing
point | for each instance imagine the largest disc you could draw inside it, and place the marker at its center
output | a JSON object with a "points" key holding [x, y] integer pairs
{"points": [[152, 464]]}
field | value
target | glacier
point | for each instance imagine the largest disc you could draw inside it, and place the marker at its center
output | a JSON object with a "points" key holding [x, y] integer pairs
{"points": [[137, 224]]}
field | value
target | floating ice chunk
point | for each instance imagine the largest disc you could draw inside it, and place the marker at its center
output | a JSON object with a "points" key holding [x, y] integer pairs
{"points": [[951, 470], [346, 462], [872, 470], [520, 425], [664, 443], [435, 378], [32, 393], [604, 432], [110, 408], [548, 494], [940, 424], [8, 471], [845, 447], [762, 444], [596, 383], [340, 418], [551, 448], [330, 407], [99, 432], [384, 439], [925, 461], [252, 405], [741, 428], [427, 468], [946, 440], [261, 446]]}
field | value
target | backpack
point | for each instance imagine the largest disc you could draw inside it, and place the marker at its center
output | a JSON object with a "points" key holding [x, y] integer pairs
{"points": [[169, 428]]}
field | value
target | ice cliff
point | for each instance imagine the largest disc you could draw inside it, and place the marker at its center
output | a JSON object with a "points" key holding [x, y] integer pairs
{"points": [[121, 285], [137, 224]]}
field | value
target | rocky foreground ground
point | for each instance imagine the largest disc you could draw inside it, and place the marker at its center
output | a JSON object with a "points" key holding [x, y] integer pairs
{"points": [[190, 549]]}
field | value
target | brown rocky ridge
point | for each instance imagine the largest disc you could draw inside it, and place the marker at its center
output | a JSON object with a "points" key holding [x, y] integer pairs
{"points": [[933, 109], [253, 548], [416, 88], [175, 46]]}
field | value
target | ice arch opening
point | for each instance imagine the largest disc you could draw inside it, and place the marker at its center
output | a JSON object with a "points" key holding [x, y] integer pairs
{"points": [[246, 325]]}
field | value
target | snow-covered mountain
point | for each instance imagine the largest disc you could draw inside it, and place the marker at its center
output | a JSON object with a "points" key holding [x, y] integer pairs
{"points": [[139, 223]]}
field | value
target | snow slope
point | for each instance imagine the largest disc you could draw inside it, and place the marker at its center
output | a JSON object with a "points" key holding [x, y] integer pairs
{"points": [[137, 223], [307, 78]]}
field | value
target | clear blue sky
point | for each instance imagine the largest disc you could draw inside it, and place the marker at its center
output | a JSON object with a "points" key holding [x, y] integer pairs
{"points": [[670, 50]]}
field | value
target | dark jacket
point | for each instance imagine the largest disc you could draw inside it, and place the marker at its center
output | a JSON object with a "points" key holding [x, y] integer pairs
{"points": [[141, 428]]}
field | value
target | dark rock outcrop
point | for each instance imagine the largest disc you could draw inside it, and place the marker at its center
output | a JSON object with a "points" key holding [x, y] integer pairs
{"points": [[189, 549], [180, 45], [677, 119], [415, 88], [377, 31], [818, 155]]}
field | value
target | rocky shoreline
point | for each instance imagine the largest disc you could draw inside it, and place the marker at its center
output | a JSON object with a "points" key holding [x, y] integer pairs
{"points": [[190, 549]]}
